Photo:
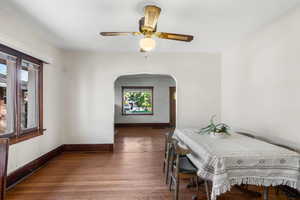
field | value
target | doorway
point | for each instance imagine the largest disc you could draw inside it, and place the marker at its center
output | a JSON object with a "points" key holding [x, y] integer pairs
{"points": [[172, 106], [143, 100]]}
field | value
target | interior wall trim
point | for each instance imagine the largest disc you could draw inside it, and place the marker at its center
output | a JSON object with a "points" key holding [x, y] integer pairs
{"points": [[142, 125], [25, 171], [89, 147]]}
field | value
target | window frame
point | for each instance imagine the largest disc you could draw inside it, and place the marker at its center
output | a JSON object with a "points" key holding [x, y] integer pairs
{"points": [[138, 87], [20, 135], [11, 134], [36, 128]]}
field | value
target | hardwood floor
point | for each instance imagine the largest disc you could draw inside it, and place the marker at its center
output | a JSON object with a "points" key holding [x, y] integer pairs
{"points": [[132, 172]]}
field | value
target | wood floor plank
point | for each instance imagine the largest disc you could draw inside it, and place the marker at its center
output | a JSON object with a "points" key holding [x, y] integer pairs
{"points": [[132, 172]]}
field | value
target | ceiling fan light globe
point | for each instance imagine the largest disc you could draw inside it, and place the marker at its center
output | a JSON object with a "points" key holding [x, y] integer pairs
{"points": [[147, 44]]}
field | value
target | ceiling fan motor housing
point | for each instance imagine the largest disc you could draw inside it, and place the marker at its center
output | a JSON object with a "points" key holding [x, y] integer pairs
{"points": [[152, 13]]}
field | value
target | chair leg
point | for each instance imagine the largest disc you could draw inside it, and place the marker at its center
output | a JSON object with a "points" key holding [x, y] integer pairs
{"points": [[277, 190], [170, 183], [197, 183], [176, 188], [266, 193], [165, 154], [168, 166], [164, 166], [167, 174], [206, 190]]}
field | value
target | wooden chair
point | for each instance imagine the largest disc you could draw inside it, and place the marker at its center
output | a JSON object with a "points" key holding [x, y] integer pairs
{"points": [[181, 168], [4, 143], [168, 139], [290, 193]]}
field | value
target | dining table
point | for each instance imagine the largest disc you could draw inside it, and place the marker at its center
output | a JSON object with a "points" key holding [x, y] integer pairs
{"points": [[240, 160]]}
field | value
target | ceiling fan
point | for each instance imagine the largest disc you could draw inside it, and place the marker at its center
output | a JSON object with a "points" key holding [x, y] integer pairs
{"points": [[148, 27]]}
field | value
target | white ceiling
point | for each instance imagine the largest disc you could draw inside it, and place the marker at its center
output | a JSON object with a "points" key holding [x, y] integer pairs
{"points": [[75, 24]]}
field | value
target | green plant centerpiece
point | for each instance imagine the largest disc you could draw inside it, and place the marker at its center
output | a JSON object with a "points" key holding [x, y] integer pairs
{"points": [[219, 130]]}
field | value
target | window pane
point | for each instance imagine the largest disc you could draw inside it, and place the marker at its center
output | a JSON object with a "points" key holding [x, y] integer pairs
{"points": [[137, 101], [29, 95], [7, 91]]}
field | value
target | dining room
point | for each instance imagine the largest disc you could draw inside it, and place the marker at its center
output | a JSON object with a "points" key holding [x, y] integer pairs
{"points": [[149, 100]]}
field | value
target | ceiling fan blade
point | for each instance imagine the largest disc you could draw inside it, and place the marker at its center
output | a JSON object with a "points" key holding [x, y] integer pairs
{"points": [[119, 33], [151, 17], [174, 36]]}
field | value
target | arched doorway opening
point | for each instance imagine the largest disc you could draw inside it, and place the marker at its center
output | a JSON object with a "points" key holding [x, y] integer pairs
{"points": [[147, 100]]}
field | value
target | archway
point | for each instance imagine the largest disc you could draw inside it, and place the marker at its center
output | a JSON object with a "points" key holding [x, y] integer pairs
{"points": [[145, 100]]}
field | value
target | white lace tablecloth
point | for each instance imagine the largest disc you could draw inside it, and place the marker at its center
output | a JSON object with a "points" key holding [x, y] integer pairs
{"points": [[238, 159]]}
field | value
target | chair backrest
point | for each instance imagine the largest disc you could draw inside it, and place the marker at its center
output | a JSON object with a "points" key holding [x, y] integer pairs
{"points": [[4, 143], [176, 152], [169, 136], [179, 150]]}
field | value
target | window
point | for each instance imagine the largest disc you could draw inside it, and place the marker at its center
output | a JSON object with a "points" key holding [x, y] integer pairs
{"points": [[29, 95], [7, 91], [137, 100], [20, 95]]}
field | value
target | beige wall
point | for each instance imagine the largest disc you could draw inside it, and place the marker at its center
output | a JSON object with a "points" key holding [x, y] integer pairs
{"points": [[260, 81], [91, 76], [23, 35]]}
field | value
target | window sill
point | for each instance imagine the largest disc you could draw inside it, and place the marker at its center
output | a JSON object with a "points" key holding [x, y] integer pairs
{"points": [[26, 136], [137, 114]]}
